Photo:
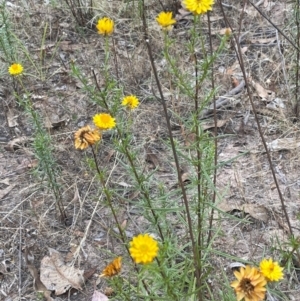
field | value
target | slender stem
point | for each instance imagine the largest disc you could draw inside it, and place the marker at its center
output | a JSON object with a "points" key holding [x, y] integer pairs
{"points": [[108, 197], [179, 178], [241, 63], [274, 25], [110, 204], [139, 180], [215, 134], [43, 152], [198, 164], [297, 101]]}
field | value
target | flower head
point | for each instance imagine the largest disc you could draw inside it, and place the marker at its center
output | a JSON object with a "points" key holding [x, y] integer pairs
{"points": [[271, 270], [85, 137], [250, 284], [165, 20], [105, 26], [130, 101], [143, 248], [198, 7], [104, 121], [113, 268], [227, 32], [15, 69]]}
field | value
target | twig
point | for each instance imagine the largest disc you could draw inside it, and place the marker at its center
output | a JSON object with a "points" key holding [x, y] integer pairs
{"points": [[224, 100], [173, 147], [275, 26], [87, 229], [241, 62], [283, 63], [20, 255], [215, 134], [18, 204], [297, 104]]}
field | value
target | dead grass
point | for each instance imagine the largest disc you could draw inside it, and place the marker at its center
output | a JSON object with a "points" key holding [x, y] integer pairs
{"points": [[28, 216]]}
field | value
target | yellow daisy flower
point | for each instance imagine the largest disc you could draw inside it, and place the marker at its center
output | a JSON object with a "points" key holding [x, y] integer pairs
{"points": [[130, 101], [143, 248], [250, 284], [113, 268], [271, 270], [105, 26], [104, 121], [15, 69], [198, 7], [86, 137], [165, 20]]}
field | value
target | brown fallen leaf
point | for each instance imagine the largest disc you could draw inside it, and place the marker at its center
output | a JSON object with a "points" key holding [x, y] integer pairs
{"points": [[152, 159], [97, 296], [70, 255], [189, 138], [258, 212], [26, 164], [124, 224], [58, 277], [133, 195], [211, 124], [37, 284], [12, 119], [234, 81], [5, 191], [16, 143], [109, 155], [264, 94], [186, 178], [89, 273], [108, 291], [263, 41], [283, 144], [53, 121]]}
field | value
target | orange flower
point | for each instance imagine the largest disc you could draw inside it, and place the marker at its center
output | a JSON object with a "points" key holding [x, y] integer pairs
{"points": [[86, 137], [113, 268], [250, 284]]}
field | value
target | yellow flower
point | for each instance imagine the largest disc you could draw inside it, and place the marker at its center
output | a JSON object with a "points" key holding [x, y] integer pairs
{"points": [[164, 19], [250, 284], [113, 268], [104, 121], [271, 270], [15, 69], [86, 137], [105, 26], [143, 248], [130, 101], [198, 7]]}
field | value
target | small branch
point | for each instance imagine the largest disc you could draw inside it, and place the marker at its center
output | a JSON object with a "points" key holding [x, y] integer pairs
{"points": [[215, 134], [241, 62], [275, 26], [223, 100]]}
